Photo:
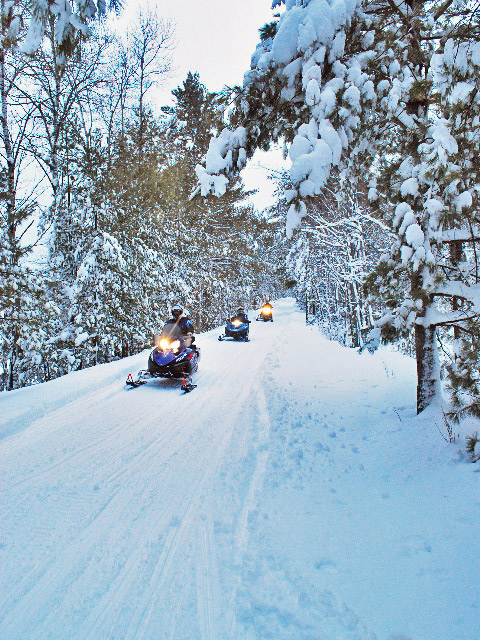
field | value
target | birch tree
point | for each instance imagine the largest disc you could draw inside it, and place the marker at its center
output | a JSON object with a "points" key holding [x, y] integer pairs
{"points": [[23, 302]]}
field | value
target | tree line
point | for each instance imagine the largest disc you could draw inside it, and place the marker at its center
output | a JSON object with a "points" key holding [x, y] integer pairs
{"points": [[107, 177], [378, 104]]}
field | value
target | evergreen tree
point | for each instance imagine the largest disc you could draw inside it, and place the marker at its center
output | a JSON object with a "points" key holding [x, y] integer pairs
{"points": [[195, 118], [429, 279], [25, 311], [68, 22], [223, 260], [383, 81]]}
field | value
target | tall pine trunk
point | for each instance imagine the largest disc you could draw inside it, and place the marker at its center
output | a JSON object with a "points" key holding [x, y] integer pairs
{"points": [[427, 365]]}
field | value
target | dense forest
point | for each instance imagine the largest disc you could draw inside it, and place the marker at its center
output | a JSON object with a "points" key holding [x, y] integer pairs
{"points": [[378, 105], [376, 225], [108, 178]]}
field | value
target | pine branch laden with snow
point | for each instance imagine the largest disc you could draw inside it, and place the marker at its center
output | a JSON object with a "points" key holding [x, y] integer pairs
{"points": [[430, 278], [70, 20], [378, 89], [307, 85]]}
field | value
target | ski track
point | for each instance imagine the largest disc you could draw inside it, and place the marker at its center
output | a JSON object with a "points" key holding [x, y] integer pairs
{"points": [[235, 512], [123, 457]]}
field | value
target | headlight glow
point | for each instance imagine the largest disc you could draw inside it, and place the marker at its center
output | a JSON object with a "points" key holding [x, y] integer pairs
{"points": [[266, 311], [164, 344], [236, 323]]}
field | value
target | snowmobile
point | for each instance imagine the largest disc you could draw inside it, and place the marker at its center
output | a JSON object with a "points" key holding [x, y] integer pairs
{"points": [[265, 313], [237, 330], [171, 358]]}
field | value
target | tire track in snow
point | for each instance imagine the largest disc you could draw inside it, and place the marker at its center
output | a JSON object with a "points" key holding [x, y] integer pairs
{"points": [[246, 391], [123, 496], [207, 584], [85, 453]]}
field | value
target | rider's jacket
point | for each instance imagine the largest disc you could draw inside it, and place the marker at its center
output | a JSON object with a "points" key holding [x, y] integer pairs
{"points": [[180, 327]]}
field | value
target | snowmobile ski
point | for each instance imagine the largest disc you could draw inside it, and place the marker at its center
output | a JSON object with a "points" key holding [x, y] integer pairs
{"points": [[134, 383], [187, 386]]}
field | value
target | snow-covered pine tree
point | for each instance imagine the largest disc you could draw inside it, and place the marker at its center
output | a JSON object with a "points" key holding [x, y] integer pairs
{"points": [[195, 117], [224, 261], [117, 295], [352, 85], [65, 21], [430, 178], [25, 312], [24, 307]]}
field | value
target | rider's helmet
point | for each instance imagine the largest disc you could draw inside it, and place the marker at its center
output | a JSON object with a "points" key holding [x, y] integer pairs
{"points": [[177, 311], [240, 310]]}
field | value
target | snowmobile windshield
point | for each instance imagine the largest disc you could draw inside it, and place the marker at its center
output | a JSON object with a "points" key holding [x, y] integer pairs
{"points": [[172, 330]]}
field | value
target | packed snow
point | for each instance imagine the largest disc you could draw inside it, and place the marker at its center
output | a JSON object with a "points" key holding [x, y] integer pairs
{"points": [[293, 495]]}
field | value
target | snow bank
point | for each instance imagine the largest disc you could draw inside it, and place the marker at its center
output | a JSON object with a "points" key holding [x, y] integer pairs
{"points": [[19, 408]]}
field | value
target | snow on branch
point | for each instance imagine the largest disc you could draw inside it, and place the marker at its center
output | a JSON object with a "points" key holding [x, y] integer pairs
{"points": [[70, 20], [301, 74]]}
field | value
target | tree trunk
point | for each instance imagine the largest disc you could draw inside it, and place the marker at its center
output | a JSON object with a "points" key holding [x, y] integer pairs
{"points": [[11, 197], [456, 256], [427, 366], [13, 359], [10, 162], [10, 386]]}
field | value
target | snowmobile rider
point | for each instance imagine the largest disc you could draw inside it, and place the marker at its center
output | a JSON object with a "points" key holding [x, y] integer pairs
{"points": [[180, 325], [241, 315]]}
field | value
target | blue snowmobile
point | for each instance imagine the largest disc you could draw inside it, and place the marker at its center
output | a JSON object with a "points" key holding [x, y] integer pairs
{"points": [[171, 358], [237, 328]]}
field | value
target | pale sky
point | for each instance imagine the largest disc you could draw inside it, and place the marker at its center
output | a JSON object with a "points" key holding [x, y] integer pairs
{"points": [[214, 37], [217, 38]]}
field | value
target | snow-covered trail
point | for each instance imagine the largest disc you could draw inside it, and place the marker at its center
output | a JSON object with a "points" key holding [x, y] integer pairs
{"points": [[115, 500], [281, 499]]}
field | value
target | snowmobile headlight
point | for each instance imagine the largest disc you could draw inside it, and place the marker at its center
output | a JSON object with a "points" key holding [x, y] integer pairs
{"points": [[236, 323], [175, 345], [266, 311], [164, 344]]}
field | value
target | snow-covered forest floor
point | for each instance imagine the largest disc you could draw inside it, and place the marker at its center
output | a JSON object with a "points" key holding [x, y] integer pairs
{"points": [[294, 495]]}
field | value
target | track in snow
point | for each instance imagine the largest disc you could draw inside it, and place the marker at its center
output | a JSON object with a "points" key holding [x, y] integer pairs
{"points": [[113, 510], [285, 499]]}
